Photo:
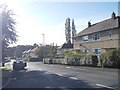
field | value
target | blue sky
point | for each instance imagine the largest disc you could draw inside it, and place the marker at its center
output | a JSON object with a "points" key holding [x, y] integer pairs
{"points": [[35, 18], [57, 12]]}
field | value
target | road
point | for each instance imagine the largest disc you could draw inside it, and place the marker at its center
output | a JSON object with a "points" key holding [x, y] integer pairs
{"points": [[39, 75]]}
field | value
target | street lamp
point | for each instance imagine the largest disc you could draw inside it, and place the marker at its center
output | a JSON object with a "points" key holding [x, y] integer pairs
{"points": [[0, 37], [43, 45]]}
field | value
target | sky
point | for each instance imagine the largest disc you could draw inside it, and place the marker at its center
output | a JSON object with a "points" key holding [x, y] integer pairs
{"points": [[35, 17]]}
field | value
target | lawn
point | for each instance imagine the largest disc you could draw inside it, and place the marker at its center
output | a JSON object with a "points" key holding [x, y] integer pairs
{"points": [[5, 72]]}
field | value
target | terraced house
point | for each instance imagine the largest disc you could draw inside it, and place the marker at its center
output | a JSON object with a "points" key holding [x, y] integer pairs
{"points": [[99, 37]]}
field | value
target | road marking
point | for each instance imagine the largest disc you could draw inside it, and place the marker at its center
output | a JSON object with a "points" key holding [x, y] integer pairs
{"points": [[47, 87], [13, 78], [59, 74], [40, 69], [104, 86], [73, 78], [67, 67], [51, 65]]}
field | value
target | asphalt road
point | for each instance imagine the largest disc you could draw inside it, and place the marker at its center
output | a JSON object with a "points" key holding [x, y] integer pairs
{"points": [[39, 75]]}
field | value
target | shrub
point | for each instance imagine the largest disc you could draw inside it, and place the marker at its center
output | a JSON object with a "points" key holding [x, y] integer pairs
{"points": [[86, 60], [94, 60], [111, 58], [33, 59], [115, 58], [72, 58], [50, 61]]}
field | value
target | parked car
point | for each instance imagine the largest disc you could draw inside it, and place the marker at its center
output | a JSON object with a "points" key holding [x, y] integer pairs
{"points": [[19, 64]]}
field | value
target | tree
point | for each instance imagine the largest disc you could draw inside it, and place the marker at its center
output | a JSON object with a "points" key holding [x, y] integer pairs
{"points": [[9, 35], [50, 51]]}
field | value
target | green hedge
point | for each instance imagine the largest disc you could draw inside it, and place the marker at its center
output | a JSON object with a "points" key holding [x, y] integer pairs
{"points": [[111, 59]]}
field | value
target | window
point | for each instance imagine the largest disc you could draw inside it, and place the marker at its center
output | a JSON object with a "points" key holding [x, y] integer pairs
{"points": [[85, 38], [85, 51], [96, 51], [96, 36], [109, 34]]}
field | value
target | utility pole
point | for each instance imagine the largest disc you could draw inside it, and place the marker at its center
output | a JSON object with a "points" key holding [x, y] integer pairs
{"points": [[43, 46], [0, 37]]}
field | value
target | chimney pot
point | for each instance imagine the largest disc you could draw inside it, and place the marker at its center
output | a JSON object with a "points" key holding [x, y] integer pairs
{"points": [[113, 15], [89, 24]]}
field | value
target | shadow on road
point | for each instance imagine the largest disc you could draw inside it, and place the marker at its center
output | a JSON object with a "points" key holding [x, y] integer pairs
{"points": [[44, 79]]}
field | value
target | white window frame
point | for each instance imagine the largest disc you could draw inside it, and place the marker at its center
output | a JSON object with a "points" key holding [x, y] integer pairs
{"points": [[99, 51], [109, 33], [93, 36], [87, 51], [85, 38]]}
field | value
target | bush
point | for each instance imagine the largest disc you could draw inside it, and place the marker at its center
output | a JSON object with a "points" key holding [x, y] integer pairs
{"points": [[50, 61], [46, 60], [73, 58], [111, 59], [94, 60], [115, 58], [33, 59]]}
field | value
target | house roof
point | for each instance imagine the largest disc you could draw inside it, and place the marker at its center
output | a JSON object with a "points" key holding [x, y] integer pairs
{"points": [[101, 26], [31, 50], [67, 46], [34, 49]]}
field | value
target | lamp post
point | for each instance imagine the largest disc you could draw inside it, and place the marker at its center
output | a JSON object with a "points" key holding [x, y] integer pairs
{"points": [[0, 37], [43, 45]]}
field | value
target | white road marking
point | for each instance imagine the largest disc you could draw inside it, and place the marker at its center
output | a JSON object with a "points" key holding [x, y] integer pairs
{"points": [[67, 67], [73, 78], [47, 87], [59, 74], [51, 65], [40, 69], [104, 86]]}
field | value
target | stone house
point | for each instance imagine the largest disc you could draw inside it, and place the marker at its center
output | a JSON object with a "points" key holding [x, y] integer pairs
{"points": [[99, 37]]}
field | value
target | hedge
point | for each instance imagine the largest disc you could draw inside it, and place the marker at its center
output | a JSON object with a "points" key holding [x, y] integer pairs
{"points": [[111, 59]]}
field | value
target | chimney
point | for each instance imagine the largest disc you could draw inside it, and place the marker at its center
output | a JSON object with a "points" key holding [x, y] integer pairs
{"points": [[113, 15], [89, 24]]}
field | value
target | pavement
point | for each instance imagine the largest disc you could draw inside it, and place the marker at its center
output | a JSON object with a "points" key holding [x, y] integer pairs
{"points": [[5, 74], [39, 75]]}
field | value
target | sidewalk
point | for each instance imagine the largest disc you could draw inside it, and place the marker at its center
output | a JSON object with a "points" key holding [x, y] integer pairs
{"points": [[5, 74]]}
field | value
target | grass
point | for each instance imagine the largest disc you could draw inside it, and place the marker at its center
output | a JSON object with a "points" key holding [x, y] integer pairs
{"points": [[5, 72]]}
